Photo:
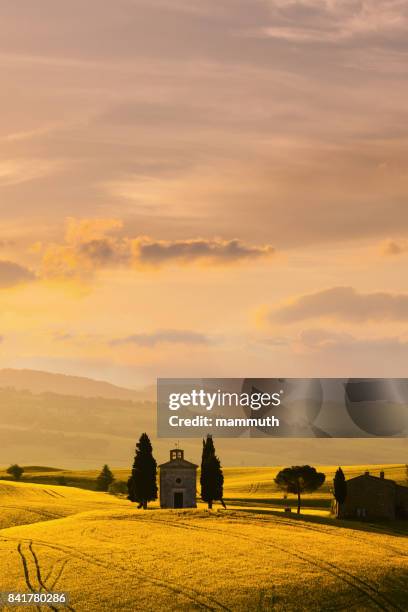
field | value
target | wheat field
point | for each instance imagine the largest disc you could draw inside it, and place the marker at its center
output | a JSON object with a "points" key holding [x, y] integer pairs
{"points": [[109, 556]]}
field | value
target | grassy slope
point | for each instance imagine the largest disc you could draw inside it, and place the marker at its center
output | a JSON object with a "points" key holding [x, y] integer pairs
{"points": [[22, 503], [110, 556]]}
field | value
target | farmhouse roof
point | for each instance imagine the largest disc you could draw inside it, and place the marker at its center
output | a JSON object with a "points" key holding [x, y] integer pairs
{"points": [[380, 479]]}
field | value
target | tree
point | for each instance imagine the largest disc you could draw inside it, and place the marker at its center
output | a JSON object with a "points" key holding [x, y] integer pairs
{"points": [[340, 486], [211, 478], [16, 471], [299, 479], [142, 485], [118, 487], [104, 479]]}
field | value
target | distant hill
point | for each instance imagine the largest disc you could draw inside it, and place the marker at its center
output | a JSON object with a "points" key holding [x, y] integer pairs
{"points": [[45, 382], [40, 468], [75, 422], [53, 429]]}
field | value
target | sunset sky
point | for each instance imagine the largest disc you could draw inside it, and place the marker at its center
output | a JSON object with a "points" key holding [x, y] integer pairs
{"points": [[192, 188]]}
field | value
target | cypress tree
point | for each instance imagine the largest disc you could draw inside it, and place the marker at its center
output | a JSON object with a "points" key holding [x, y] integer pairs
{"points": [[340, 486], [211, 478], [142, 485], [104, 479]]}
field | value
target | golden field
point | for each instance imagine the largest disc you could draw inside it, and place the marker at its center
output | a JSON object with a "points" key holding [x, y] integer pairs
{"points": [[252, 486], [110, 556]]}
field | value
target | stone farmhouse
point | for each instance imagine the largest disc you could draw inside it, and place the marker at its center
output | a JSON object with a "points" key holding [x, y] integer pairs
{"points": [[372, 497]]}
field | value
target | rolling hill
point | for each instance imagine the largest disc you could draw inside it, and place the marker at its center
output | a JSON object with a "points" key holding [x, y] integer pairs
{"points": [[109, 556], [39, 382]]}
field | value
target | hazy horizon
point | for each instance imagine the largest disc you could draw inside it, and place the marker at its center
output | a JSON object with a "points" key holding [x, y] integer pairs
{"points": [[80, 424]]}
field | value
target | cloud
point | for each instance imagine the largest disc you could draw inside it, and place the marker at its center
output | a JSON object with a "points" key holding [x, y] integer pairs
{"points": [[6, 243], [393, 247], [63, 336], [343, 304], [323, 338], [320, 340], [276, 341], [89, 246], [156, 252], [164, 336], [328, 340], [15, 172], [12, 274], [334, 21], [79, 231]]}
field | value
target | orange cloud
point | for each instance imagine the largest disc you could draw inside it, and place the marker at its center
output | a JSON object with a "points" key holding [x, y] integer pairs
{"points": [[329, 340], [343, 304], [215, 251], [79, 231], [89, 247], [163, 336], [16, 171], [394, 247], [12, 274]]}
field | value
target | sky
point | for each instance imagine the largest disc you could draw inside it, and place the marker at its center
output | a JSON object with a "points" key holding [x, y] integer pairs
{"points": [[192, 188]]}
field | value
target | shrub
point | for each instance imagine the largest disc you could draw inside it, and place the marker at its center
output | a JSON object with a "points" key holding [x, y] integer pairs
{"points": [[118, 487]]}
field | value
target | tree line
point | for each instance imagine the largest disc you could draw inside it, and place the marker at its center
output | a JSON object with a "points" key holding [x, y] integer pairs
{"points": [[142, 484]]}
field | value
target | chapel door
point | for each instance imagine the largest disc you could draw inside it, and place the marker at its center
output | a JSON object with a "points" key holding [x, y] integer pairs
{"points": [[178, 499]]}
